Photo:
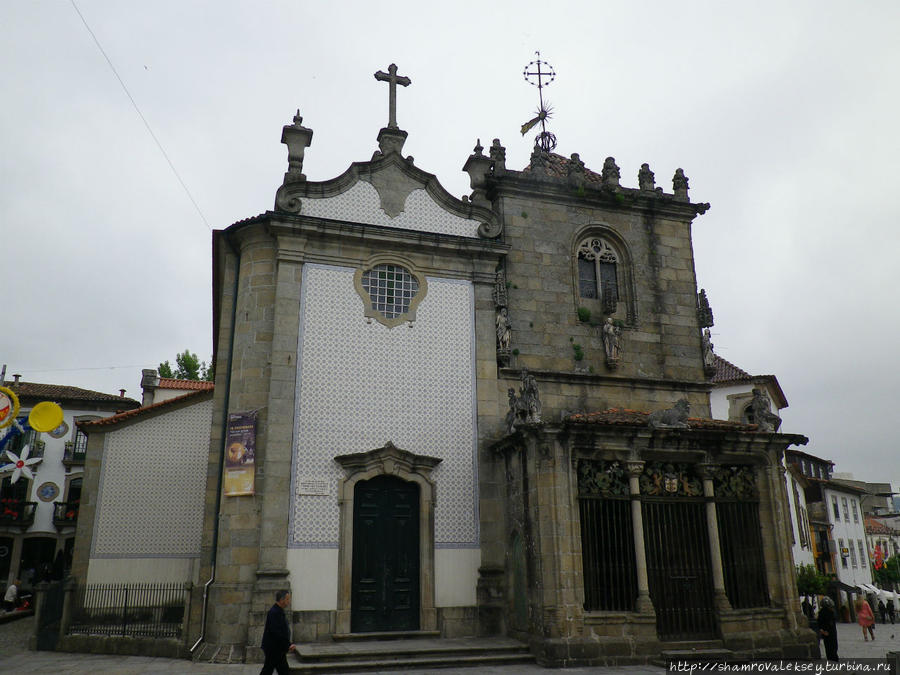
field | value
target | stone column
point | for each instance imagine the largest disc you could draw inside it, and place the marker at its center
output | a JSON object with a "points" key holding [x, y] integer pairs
{"points": [[644, 604], [715, 550], [69, 590]]}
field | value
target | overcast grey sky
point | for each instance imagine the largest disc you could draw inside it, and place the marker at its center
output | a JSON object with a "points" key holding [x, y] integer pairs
{"points": [[783, 115]]}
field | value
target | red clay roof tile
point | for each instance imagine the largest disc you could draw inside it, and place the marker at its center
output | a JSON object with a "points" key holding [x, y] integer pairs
{"points": [[139, 412]]}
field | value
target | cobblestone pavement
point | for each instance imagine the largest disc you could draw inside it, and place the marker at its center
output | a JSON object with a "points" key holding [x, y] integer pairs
{"points": [[16, 658]]}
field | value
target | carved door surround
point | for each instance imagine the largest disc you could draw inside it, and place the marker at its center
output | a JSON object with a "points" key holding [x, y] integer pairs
{"points": [[387, 460]]}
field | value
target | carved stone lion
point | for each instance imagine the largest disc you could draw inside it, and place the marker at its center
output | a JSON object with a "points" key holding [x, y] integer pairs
{"points": [[671, 418]]}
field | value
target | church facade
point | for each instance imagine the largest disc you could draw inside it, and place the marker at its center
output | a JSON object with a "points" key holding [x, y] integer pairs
{"points": [[484, 416]]}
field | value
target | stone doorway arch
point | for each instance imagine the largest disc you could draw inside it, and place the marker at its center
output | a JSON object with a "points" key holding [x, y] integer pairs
{"points": [[391, 461]]}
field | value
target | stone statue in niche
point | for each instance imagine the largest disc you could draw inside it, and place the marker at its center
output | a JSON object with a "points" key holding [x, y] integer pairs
{"points": [[611, 345], [503, 330], [500, 292], [761, 408], [502, 325], [675, 417]]}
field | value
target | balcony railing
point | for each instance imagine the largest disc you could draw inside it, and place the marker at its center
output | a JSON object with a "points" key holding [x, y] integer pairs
{"points": [[73, 456], [65, 513], [17, 512]]}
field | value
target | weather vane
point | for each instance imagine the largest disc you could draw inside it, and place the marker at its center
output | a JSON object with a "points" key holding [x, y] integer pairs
{"points": [[540, 74]]}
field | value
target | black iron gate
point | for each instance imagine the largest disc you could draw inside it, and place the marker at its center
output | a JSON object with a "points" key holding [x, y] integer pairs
{"points": [[679, 569], [51, 611], [607, 536]]}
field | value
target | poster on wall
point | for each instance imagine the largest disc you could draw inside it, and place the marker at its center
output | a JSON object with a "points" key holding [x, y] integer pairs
{"points": [[240, 454]]}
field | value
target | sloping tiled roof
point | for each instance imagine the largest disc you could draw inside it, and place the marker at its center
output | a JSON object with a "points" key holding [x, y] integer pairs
{"points": [[174, 383], [62, 392], [558, 167], [140, 412], [875, 526], [639, 418], [728, 372]]}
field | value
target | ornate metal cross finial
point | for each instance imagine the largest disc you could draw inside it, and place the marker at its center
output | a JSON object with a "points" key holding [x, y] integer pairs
{"points": [[540, 74], [393, 80]]}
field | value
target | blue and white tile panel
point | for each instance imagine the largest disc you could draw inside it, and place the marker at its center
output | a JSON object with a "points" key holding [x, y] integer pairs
{"points": [[152, 485], [361, 204], [361, 384]]}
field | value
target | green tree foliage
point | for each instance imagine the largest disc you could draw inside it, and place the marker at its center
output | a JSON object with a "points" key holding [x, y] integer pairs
{"points": [[187, 367], [809, 581], [890, 573]]}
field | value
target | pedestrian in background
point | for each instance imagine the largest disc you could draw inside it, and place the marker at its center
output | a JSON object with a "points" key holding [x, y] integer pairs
{"points": [[865, 617], [11, 599], [276, 640], [828, 628]]}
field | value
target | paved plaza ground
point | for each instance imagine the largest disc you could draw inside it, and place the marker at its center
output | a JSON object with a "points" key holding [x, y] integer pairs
{"points": [[16, 658]]}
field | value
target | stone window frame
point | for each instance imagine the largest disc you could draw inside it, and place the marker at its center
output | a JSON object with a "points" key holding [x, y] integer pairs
{"points": [[626, 308], [391, 461], [369, 310]]}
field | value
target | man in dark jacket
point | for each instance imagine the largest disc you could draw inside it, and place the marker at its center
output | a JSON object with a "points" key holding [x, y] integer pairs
{"points": [[276, 640]]}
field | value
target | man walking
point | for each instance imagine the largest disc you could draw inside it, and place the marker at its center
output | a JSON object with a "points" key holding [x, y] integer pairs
{"points": [[276, 640]]}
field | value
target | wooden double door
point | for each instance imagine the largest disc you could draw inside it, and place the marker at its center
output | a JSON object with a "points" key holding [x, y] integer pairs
{"points": [[385, 576]]}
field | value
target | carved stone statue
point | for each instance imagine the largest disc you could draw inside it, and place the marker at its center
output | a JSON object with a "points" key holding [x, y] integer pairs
{"points": [[646, 178], [680, 185], [575, 171], [531, 397], [709, 358], [761, 407], [611, 340], [526, 407], [671, 418], [513, 414], [610, 173], [500, 293], [503, 329]]}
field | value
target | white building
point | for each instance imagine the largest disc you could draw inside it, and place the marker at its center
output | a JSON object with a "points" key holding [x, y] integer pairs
{"points": [[38, 516], [842, 502], [733, 391], [801, 534]]}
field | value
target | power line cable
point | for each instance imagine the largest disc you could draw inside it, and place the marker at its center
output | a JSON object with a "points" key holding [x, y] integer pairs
{"points": [[70, 370], [141, 115]]}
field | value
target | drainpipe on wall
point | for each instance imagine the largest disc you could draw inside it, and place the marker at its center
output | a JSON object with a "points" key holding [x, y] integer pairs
{"points": [[215, 539]]}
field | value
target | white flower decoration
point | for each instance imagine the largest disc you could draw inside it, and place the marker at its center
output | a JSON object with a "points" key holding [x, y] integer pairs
{"points": [[20, 465]]}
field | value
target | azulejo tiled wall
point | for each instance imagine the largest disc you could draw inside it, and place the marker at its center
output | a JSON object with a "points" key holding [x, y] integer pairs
{"points": [[361, 384], [361, 204], [151, 486]]}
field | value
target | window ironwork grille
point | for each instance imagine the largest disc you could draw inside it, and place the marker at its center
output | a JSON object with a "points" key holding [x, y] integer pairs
{"points": [[391, 288]]}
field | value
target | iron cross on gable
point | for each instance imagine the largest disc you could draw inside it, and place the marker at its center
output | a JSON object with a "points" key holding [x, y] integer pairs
{"points": [[393, 80]]}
